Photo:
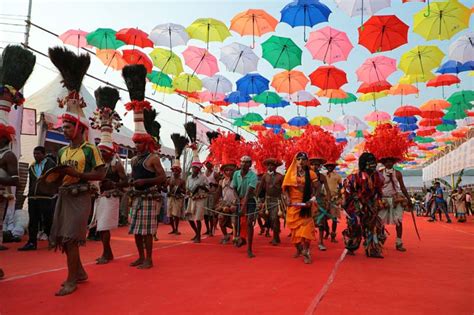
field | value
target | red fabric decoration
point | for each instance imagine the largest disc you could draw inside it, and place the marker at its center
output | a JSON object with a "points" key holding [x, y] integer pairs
{"points": [[268, 145], [319, 144], [388, 141], [137, 105], [224, 150], [7, 132], [148, 139]]}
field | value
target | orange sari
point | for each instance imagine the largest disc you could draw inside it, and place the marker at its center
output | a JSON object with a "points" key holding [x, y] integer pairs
{"points": [[301, 228]]}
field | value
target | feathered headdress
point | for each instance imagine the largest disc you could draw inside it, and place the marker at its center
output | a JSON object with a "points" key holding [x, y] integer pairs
{"points": [[191, 131], [135, 79], [388, 141], [16, 66], [180, 142], [269, 147], [152, 127], [317, 143], [73, 69], [105, 117], [211, 136], [225, 150]]}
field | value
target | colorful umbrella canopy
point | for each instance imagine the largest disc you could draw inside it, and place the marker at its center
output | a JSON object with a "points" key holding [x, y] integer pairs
{"points": [[258, 128], [345, 100], [208, 30], [289, 81], [253, 22], [332, 93], [407, 120], [328, 77], [252, 118], [306, 13], [376, 69], [133, 56], [208, 96], [134, 37], [362, 7], [435, 104], [374, 87], [329, 45], [352, 123], [432, 114], [298, 121], [159, 78], [275, 120], [200, 60], [425, 131], [268, 98], [446, 127], [407, 111], [408, 127], [217, 84], [377, 116], [383, 33], [249, 104], [239, 58], [104, 38], [75, 38], [335, 127], [167, 61], [187, 83], [281, 52], [452, 66], [416, 78], [231, 114], [443, 80], [421, 60], [252, 83], [372, 96], [461, 97], [169, 35], [238, 122], [237, 97], [111, 58], [441, 20], [162, 89], [403, 89], [212, 109], [462, 49], [305, 99], [426, 122], [321, 121]]}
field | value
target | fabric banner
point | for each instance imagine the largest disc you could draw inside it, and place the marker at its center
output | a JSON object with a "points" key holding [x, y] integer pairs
{"points": [[460, 158], [28, 122], [201, 130]]}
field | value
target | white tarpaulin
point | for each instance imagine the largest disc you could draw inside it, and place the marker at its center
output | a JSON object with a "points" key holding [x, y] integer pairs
{"points": [[460, 158]]}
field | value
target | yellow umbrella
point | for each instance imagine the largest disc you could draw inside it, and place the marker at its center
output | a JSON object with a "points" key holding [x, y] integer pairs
{"points": [[208, 30], [420, 60], [187, 83], [321, 121], [372, 96], [441, 20], [167, 61], [162, 89], [294, 133], [211, 109], [331, 93]]}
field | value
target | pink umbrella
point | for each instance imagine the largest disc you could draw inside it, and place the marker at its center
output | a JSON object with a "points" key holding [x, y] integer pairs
{"points": [[335, 127], [376, 69], [249, 104], [329, 45], [200, 60], [75, 38], [377, 116], [207, 96]]}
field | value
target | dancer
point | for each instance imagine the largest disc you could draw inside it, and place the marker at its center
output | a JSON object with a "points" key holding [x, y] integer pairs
{"points": [[196, 189], [210, 219], [334, 181], [460, 201], [299, 185], [244, 182], [107, 204], [271, 183], [390, 146], [80, 162], [147, 172], [16, 66], [362, 201], [176, 186]]}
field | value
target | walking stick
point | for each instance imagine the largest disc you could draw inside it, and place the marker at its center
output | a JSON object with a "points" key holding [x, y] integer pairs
{"points": [[414, 223]]}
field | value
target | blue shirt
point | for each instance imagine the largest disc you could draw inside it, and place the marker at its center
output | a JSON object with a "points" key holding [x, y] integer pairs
{"points": [[38, 167], [242, 184], [439, 191]]}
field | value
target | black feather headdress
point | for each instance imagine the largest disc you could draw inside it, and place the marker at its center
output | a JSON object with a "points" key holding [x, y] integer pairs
{"points": [[72, 67], [16, 66], [180, 142], [152, 127], [191, 131], [106, 97], [135, 79], [211, 135]]}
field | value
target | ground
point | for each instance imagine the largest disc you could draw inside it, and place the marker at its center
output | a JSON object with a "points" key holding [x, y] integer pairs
{"points": [[434, 276]]}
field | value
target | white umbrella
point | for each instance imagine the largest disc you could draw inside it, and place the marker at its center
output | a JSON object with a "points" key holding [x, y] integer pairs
{"points": [[169, 35], [231, 114], [462, 49], [352, 123], [239, 58], [362, 7], [302, 96], [217, 84]]}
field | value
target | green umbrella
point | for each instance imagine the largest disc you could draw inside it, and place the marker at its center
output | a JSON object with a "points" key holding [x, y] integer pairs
{"points": [[445, 127], [454, 113], [167, 61], [252, 118], [160, 79], [359, 134], [104, 38], [462, 97], [348, 99], [423, 139], [239, 123], [267, 97], [281, 52]]}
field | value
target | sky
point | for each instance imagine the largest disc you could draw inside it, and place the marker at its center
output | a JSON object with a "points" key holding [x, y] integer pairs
{"points": [[59, 16]]}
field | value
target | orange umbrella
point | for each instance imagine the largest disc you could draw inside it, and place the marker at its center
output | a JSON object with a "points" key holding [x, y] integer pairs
{"points": [[289, 81], [111, 58], [212, 109], [443, 80], [435, 105], [403, 89], [332, 93], [253, 22]]}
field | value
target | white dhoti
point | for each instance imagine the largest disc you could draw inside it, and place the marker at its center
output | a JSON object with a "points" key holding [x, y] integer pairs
{"points": [[106, 213], [195, 209], [393, 214]]}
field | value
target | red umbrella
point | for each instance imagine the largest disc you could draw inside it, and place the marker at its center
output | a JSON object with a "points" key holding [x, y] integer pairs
{"points": [[219, 103], [258, 128], [432, 114], [428, 131], [132, 56], [328, 77], [407, 111], [430, 122], [383, 33], [311, 103], [275, 120], [443, 80], [134, 37], [374, 87]]}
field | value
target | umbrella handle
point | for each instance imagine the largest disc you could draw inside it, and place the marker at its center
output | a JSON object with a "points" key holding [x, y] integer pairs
{"points": [[429, 10], [329, 109]]}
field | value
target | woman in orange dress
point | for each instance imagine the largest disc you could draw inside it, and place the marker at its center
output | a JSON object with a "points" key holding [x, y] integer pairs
{"points": [[298, 186]]}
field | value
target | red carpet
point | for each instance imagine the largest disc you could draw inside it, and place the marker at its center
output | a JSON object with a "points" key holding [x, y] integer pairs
{"points": [[433, 277]]}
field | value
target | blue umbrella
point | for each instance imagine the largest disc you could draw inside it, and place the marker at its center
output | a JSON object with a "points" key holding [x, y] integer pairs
{"points": [[411, 136], [341, 140], [452, 66], [237, 97], [252, 83], [405, 120], [298, 121], [448, 122], [281, 104], [408, 127], [305, 13]]}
